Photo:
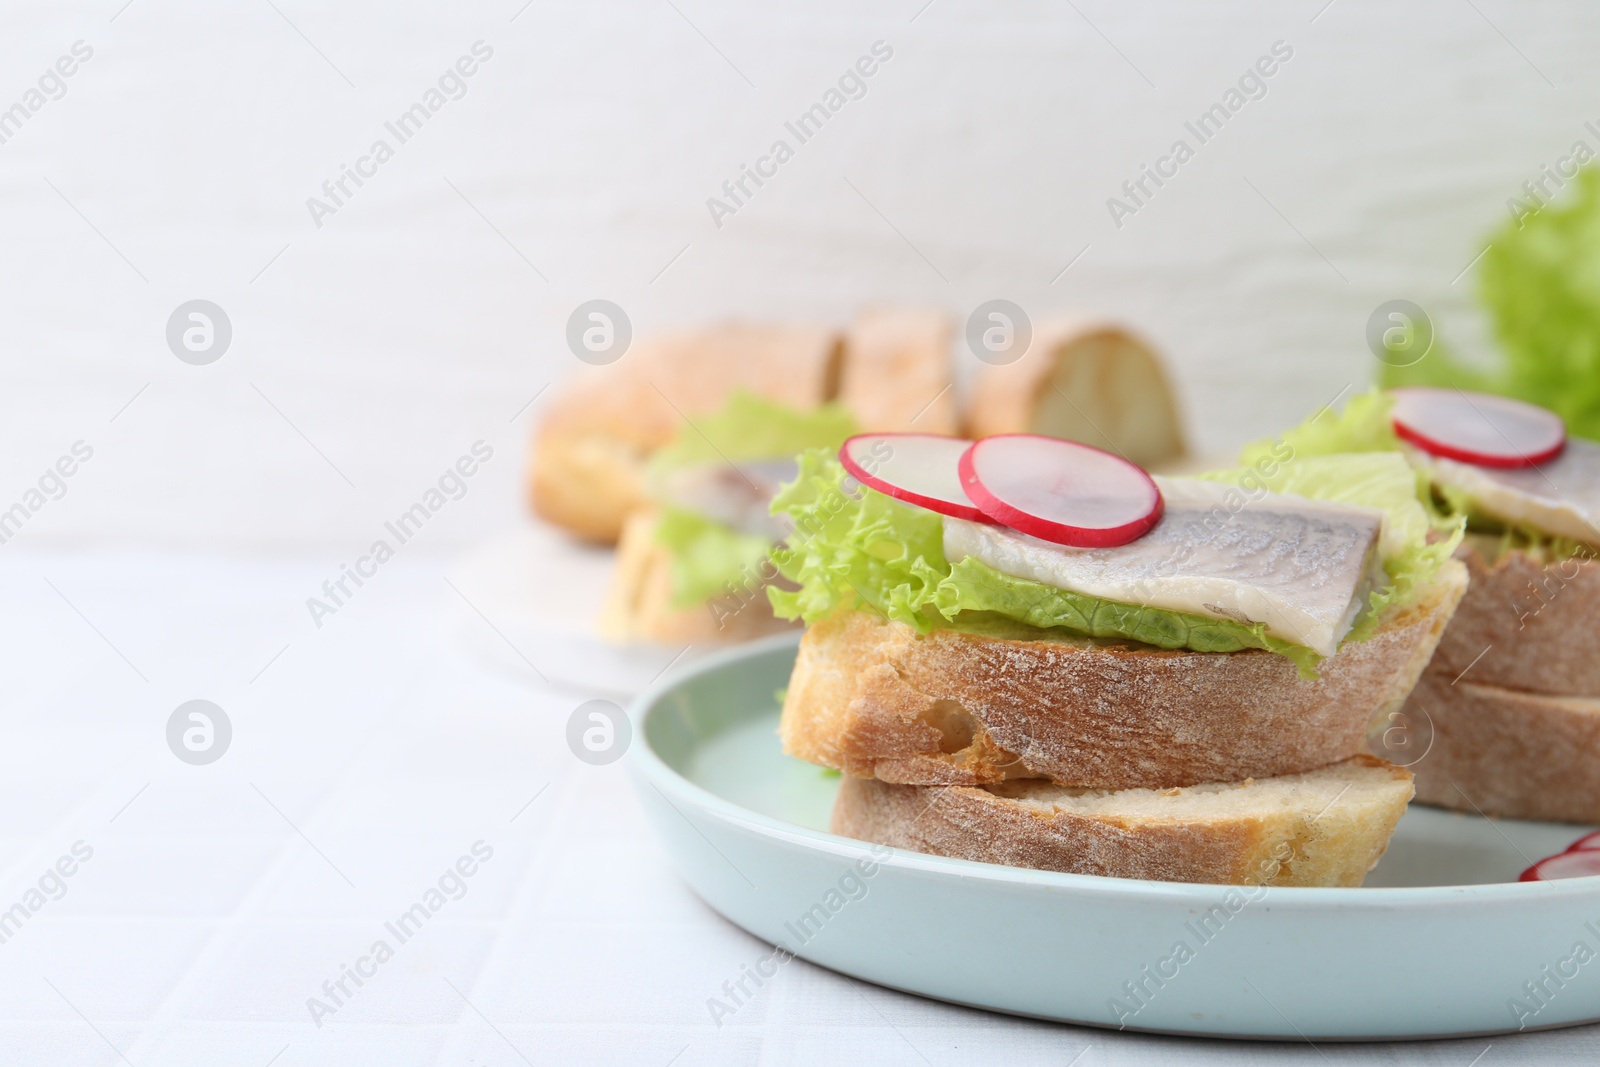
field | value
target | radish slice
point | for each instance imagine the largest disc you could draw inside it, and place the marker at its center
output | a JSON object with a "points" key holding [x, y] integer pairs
{"points": [[1489, 431], [1580, 864], [1060, 491], [1590, 843], [918, 468]]}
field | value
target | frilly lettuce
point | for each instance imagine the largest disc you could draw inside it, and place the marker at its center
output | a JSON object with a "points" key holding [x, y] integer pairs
{"points": [[1540, 280], [707, 555], [857, 548], [753, 427]]}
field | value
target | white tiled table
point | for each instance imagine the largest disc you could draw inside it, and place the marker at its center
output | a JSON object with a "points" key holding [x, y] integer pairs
{"points": [[365, 760]]}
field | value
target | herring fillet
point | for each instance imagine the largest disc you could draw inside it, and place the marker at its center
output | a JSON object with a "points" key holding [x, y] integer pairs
{"points": [[737, 495], [1559, 497], [1302, 567]]}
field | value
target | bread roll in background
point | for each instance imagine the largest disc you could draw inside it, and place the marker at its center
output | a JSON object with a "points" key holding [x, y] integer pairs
{"points": [[590, 450], [1085, 381], [897, 371]]}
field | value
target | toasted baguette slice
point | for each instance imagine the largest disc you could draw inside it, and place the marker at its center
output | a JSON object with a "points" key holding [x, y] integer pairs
{"points": [[1501, 752], [590, 450], [874, 698], [897, 374], [1084, 381], [1523, 625], [1326, 827], [638, 606]]}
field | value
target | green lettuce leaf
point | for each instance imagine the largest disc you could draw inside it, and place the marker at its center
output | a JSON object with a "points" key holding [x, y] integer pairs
{"points": [[753, 427], [1540, 280], [706, 555], [857, 548]]}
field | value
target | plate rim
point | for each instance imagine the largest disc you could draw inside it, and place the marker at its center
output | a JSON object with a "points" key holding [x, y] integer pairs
{"points": [[652, 769]]}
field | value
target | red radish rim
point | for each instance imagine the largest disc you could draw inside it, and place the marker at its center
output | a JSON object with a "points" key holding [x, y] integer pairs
{"points": [[1058, 532], [1435, 447], [954, 509], [1586, 843], [1532, 874]]}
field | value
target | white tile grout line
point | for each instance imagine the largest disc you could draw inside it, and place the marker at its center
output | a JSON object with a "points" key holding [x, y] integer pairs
{"points": [[521, 908], [229, 932]]}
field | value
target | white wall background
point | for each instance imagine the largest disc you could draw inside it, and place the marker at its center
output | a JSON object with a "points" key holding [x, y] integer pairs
{"points": [[406, 328]]}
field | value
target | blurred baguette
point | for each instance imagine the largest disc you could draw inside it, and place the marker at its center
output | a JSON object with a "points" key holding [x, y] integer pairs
{"points": [[1085, 381], [590, 450], [897, 374]]}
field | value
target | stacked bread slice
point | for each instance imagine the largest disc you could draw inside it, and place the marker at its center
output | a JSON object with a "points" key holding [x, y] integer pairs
{"points": [[1506, 719], [1108, 757]]}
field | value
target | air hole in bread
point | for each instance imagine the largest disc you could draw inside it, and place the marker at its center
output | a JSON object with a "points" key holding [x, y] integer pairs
{"points": [[954, 723]]}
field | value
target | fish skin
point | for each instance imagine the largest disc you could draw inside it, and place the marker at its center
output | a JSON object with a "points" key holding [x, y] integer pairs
{"points": [[1560, 497], [1302, 567], [737, 495]]}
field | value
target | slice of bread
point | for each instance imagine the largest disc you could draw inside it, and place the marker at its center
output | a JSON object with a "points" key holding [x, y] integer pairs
{"points": [[1084, 381], [1523, 625], [587, 466], [1506, 753], [874, 698], [638, 605], [1326, 827], [897, 373]]}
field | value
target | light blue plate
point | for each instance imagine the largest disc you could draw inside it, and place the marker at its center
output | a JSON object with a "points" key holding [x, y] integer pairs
{"points": [[1439, 943]]}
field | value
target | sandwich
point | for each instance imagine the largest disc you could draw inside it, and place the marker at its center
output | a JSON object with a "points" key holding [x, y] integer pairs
{"points": [[891, 370], [1506, 719], [692, 564], [1029, 652], [590, 451]]}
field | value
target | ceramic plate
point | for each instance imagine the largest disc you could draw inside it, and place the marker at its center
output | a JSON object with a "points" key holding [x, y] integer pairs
{"points": [[1442, 941], [528, 603]]}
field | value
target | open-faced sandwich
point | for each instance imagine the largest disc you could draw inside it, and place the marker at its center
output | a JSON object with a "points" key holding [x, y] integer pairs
{"points": [[891, 370], [674, 452], [1506, 719], [692, 567], [1030, 652]]}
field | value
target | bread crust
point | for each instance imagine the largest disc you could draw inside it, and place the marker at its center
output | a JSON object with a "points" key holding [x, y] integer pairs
{"points": [[639, 607], [897, 373], [1123, 401], [1329, 827], [1527, 626], [587, 465], [873, 698], [1506, 753]]}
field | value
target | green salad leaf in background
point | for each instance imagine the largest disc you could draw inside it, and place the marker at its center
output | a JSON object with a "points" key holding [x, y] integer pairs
{"points": [[854, 547], [708, 555], [752, 427], [1540, 281]]}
